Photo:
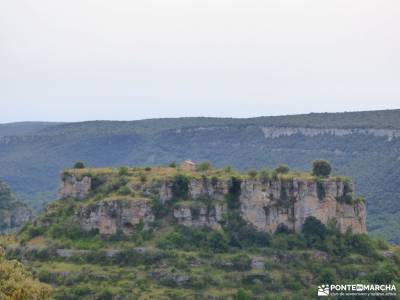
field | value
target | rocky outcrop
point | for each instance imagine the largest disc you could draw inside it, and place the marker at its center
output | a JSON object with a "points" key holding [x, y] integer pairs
{"points": [[13, 213], [264, 204], [290, 202], [275, 132], [73, 187], [15, 217], [115, 215], [165, 191], [267, 205], [199, 215]]}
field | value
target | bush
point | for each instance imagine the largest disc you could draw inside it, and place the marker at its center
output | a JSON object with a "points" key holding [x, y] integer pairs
{"points": [[142, 178], [321, 189], [105, 294], [348, 199], [171, 241], [217, 241], [241, 262], [234, 191], [321, 168], [282, 169], [253, 173], [180, 187], [124, 190], [189, 239], [359, 200], [214, 181], [172, 165], [314, 230], [97, 181], [283, 229], [227, 169], [79, 165], [327, 276], [203, 166], [123, 171], [34, 231], [18, 283], [361, 243], [242, 294], [241, 234], [265, 176], [114, 185]]}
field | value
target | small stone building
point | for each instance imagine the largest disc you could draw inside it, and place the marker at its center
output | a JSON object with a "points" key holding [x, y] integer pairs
{"points": [[187, 165]]}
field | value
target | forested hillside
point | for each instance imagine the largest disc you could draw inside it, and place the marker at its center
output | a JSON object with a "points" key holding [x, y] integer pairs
{"points": [[364, 145]]}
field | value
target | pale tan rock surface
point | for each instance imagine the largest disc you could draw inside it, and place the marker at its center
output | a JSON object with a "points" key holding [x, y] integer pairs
{"points": [[266, 205], [111, 216]]}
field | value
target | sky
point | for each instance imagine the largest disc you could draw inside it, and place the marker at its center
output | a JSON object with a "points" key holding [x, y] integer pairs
{"points": [[124, 60]]}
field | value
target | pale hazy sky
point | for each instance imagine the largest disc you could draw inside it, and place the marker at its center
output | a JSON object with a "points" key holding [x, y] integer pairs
{"points": [[131, 59]]}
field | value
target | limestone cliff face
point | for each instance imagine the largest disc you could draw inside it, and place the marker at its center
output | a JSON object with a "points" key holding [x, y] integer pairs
{"points": [[290, 202], [199, 215], [274, 132], [73, 187], [264, 204], [112, 216]]}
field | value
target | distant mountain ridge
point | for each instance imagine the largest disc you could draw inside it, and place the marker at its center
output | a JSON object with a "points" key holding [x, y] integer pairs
{"points": [[23, 128], [363, 145]]}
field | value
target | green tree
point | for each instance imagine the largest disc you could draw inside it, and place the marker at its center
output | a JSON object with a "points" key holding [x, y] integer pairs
{"points": [[203, 166], [265, 175], [180, 187], [321, 168], [253, 173], [282, 169], [217, 241], [124, 190], [314, 230], [18, 284], [242, 294], [122, 171], [79, 165]]}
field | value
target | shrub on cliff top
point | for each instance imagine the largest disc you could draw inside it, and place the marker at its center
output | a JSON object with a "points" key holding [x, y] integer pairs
{"points": [[321, 168], [253, 173], [79, 165], [265, 175], [282, 169], [122, 171], [203, 166]]}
